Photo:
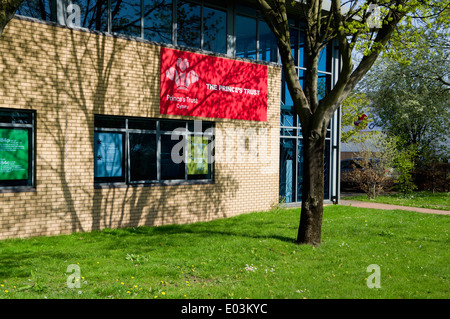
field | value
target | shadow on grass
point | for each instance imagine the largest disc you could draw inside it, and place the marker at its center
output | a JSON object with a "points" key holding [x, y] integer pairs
{"points": [[199, 230]]}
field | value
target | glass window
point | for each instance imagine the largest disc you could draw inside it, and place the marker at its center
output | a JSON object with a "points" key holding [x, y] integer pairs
{"points": [[94, 14], [287, 116], [245, 37], [287, 170], [109, 122], [158, 20], [268, 49], [143, 157], [214, 30], [324, 61], [189, 24], [294, 45], [143, 150], [301, 50], [170, 169], [16, 148], [40, 9], [142, 124], [198, 157], [109, 156], [285, 94], [126, 17], [323, 84]]}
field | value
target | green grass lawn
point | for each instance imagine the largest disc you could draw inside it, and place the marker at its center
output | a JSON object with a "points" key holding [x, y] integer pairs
{"points": [[431, 200], [248, 256]]}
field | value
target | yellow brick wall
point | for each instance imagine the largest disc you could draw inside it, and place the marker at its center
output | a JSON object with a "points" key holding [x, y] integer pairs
{"points": [[67, 76]]}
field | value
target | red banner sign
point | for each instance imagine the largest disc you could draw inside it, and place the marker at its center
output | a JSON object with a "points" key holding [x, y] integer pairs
{"points": [[198, 85]]}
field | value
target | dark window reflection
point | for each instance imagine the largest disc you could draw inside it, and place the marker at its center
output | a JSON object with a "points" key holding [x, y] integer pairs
{"points": [[323, 61], [287, 170], [126, 17], [158, 20], [189, 24], [214, 30], [268, 49], [40, 9], [94, 14], [170, 169], [294, 45], [142, 157], [245, 37]]}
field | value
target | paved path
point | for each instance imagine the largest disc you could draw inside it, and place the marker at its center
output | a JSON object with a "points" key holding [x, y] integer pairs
{"points": [[355, 203]]}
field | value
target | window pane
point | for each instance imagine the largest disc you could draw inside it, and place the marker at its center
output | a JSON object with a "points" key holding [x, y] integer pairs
{"points": [[301, 55], [142, 124], [294, 45], [158, 20], [198, 126], [15, 117], [169, 126], [14, 154], [40, 9], [287, 116], [198, 158], [126, 17], [108, 152], [245, 37], [94, 14], [287, 170], [108, 122], [286, 95], [214, 30], [189, 24], [323, 60], [170, 169], [268, 49], [323, 84], [143, 157]]}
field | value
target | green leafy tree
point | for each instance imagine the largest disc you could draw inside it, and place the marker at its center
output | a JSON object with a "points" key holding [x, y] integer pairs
{"points": [[355, 117], [404, 165], [410, 102], [351, 25]]}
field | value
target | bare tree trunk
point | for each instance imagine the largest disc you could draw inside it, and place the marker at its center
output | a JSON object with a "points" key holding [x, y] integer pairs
{"points": [[309, 231]]}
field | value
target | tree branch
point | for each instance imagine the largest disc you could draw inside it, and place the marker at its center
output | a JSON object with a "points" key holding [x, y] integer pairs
{"points": [[7, 10]]}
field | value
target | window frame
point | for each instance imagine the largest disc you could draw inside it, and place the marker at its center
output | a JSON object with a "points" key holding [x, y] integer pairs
{"points": [[158, 132], [29, 183]]}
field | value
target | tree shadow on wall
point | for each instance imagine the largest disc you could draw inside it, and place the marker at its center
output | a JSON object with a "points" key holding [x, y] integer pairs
{"points": [[74, 75]]}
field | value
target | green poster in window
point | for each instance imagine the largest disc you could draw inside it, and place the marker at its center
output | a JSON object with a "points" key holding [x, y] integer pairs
{"points": [[198, 155], [13, 154]]}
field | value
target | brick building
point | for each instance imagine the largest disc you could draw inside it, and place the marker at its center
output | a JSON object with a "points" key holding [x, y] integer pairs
{"points": [[98, 101]]}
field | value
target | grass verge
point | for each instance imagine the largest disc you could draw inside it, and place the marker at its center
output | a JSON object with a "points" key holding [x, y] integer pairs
{"points": [[430, 200], [247, 256]]}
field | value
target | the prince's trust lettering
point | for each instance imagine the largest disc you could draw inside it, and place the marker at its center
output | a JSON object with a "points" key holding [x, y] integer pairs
{"points": [[231, 89]]}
